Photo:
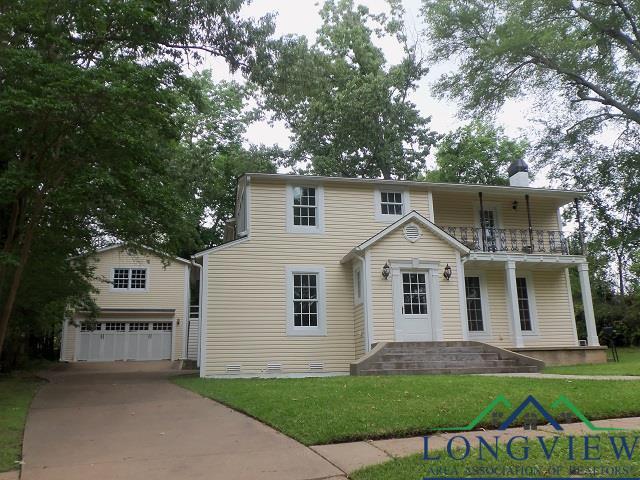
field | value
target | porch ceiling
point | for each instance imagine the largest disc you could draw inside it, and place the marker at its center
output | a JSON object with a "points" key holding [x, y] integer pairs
{"points": [[488, 260]]}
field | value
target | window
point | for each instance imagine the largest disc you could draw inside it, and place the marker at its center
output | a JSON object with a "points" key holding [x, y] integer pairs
{"points": [[474, 304], [357, 285], [490, 228], [391, 203], [524, 305], [304, 208], [130, 278], [114, 326], [305, 300], [138, 326], [162, 326], [90, 326], [414, 289]]}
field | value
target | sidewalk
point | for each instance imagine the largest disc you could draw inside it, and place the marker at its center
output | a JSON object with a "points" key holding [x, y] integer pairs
{"points": [[349, 457]]}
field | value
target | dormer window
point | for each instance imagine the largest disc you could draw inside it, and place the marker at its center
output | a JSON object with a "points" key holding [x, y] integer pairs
{"points": [[391, 204], [304, 208]]}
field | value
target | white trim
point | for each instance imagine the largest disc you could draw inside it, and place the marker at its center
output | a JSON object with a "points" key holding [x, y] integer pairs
{"points": [[411, 216], [187, 300], [63, 341], [321, 328], [377, 204], [370, 336], [124, 245], [358, 293], [129, 289], [202, 328], [240, 204], [485, 333], [572, 312], [560, 260], [512, 303], [223, 246], [432, 213], [462, 302], [318, 228]]}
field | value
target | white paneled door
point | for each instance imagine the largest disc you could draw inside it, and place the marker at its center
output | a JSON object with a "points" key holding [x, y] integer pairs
{"points": [[125, 340]]}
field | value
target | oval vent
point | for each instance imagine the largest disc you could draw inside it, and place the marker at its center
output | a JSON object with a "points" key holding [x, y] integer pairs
{"points": [[411, 232]]}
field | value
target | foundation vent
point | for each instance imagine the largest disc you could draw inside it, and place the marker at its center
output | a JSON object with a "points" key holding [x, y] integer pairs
{"points": [[233, 368], [316, 366], [274, 367], [412, 232]]}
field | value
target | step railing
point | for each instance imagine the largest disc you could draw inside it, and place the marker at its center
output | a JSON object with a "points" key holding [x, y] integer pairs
{"points": [[521, 240]]}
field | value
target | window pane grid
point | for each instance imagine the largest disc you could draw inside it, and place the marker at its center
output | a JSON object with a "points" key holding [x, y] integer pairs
{"points": [[305, 300], [162, 326], [114, 326], [304, 206], [391, 203], [474, 304], [121, 278], [523, 305], [138, 278], [414, 289]]}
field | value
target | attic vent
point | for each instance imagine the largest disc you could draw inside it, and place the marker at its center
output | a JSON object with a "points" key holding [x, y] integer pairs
{"points": [[314, 366], [411, 232], [234, 368], [274, 367]]}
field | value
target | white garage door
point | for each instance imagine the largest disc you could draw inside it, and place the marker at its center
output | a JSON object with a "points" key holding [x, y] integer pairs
{"points": [[140, 340]]}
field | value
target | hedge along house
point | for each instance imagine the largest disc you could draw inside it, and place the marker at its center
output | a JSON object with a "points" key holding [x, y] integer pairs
{"points": [[325, 276], [144, 310]]}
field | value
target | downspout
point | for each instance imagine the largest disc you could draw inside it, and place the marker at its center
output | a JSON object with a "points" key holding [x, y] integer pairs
{"points": [[482, 224], [365, 306], [580, 227], [526, 197]]}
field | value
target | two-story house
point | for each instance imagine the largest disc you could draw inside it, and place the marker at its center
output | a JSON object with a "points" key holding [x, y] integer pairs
{"points": [[322, 270], [144, 313]]}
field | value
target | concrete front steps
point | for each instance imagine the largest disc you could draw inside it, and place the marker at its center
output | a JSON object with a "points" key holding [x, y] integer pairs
{"points": [[432, 358]]}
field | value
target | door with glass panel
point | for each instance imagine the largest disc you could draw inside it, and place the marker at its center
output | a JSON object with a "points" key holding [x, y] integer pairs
{"points": [[413, 312]]}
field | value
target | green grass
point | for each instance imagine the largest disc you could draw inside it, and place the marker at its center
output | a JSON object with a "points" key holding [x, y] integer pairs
{"points": [[414, 467], [16, 393], [339, 409], [629, 364]]}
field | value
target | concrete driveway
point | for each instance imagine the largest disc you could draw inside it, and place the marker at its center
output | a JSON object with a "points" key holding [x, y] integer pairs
{"points": [[127, 421]]}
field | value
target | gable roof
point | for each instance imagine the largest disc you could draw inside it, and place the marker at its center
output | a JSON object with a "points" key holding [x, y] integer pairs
{"points": [[113, 246], [411, 216]]}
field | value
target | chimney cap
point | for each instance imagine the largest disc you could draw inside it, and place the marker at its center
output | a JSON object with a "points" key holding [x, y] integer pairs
{"points": [[516, 166]]}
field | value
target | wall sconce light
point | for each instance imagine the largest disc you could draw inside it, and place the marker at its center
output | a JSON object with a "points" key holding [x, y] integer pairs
{"points": [[447, 272], [386, 270], [514, 205]]}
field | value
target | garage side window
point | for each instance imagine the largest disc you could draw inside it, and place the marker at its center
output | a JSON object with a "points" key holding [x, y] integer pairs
{"points": [[129, 278]]}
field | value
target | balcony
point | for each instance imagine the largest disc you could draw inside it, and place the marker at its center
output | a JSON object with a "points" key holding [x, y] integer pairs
{"points": [[515, 240]]}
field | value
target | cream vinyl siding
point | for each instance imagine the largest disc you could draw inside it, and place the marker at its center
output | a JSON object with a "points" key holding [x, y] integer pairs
{"points": [[246, 307], [554, 319], [165, 288], [428, 248], [69, 342], [358, 332], [459, 210]]}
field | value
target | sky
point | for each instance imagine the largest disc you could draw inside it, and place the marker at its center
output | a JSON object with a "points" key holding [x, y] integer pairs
{"points": [[301, 17]]}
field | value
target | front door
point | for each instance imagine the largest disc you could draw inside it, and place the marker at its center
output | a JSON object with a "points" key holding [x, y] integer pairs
{"points": [[412, 309]]}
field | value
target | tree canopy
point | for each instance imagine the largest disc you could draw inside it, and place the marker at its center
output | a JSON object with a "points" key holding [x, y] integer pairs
{"points": [[349, 111]]}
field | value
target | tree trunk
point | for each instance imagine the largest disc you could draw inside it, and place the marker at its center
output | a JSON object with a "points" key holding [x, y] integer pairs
{"points": [[621, 275]]}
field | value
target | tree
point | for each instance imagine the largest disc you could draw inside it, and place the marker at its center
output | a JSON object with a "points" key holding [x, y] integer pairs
{"points": [[476, 153], [585, 53], [349, 112], [89, 101]]}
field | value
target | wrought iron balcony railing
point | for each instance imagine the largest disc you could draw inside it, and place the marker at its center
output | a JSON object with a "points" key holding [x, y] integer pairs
{"points": [[520, 240]]}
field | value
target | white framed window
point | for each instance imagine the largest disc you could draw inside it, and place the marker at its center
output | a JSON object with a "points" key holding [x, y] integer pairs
{"points": [[305, 205], [477, 304], [129, 279], [390, 204], [414, 293], [526, 304], [357, 285], [305, 300]]}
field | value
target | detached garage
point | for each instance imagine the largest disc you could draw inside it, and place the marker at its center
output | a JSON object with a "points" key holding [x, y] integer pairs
{"points": [[144, 313]]}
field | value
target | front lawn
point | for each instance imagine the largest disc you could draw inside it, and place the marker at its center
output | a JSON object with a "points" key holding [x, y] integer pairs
{"points": [[629, 364], [16, 394], [537, 465], [340, 409]]}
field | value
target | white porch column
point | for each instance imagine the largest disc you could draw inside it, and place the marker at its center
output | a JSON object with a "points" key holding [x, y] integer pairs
{"points": [[512, 302], [587, 305]]}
